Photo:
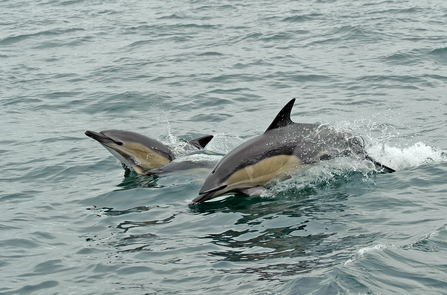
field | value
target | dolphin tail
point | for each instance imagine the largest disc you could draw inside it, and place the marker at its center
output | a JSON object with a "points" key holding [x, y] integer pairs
{"points": [[201, 142], [378, 164]]}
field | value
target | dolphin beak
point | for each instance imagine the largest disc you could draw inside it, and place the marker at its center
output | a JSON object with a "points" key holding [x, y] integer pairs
{"points": [[201, 198], [208, 194], [94, 135], [101, 138]]}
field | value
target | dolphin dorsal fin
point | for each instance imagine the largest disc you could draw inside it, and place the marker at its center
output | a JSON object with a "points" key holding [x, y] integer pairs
{"points": [[283, 117], [201, 142]]}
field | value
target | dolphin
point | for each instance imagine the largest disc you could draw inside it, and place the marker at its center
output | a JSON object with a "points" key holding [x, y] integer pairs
{"points": [[274, 155], [203, 159], [138, 151]]}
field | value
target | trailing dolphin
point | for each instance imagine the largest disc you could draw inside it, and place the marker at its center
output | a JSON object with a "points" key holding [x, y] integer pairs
{"points": [[282, 149], [138, 151], [197, 160]]}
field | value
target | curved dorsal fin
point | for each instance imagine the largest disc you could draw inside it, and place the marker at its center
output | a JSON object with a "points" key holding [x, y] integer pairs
{"points": [[201, 142], [283, 117]]}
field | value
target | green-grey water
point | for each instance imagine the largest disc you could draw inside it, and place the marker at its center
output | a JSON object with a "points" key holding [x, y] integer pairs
{"points": [[73, 222]]}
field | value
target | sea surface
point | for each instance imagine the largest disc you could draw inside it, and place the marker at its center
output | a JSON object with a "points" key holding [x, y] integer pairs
{"points": [[73, 222]]}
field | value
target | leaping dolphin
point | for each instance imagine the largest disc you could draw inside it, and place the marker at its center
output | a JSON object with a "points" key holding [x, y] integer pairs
{"points": [[138, 151], [282, 149]]}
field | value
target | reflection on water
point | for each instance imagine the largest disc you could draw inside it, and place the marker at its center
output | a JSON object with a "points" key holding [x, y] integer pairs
{"points": [[133, 180], [304, 227], [269, 244], [296, 231], [290, 249], [126, 225]]}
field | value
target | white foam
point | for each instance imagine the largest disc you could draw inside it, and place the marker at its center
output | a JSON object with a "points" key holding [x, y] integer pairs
{"points": [[402, 158], [199, 158], [362, 252], [224, 143], [221, 143]]}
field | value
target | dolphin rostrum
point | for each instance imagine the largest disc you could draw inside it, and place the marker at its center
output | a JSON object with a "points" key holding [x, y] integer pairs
{"points": [[138, 151], [282, 149]]}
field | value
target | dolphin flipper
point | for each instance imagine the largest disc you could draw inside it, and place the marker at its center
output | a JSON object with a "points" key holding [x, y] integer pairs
{"points": [[138, 169]]}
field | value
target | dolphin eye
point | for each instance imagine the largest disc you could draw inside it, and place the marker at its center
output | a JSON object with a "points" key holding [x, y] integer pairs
{"points": [[116, 141]]}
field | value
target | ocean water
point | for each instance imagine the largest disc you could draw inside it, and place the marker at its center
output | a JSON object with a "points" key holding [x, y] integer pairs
{"points": [[73, 222]]}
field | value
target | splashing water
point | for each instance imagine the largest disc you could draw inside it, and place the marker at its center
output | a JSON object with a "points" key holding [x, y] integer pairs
{"points": [[409, 157]]}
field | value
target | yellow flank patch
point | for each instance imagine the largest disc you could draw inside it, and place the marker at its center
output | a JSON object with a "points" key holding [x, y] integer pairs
{"points": [[263, 172], [144, 156]]}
